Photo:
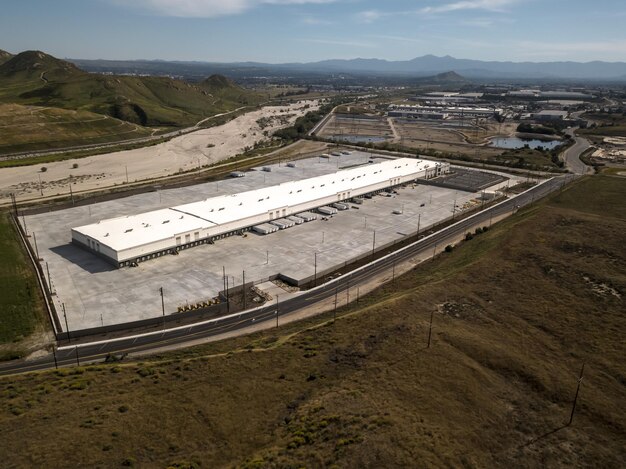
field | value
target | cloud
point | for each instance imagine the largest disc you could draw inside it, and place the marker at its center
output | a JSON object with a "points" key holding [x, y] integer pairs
{"points": [[314, 21], [369, 16], [491, 5], [206, 8]]}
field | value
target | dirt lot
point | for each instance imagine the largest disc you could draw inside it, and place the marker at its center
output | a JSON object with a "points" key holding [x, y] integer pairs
{"points": [[184, 153], [516, 310]]}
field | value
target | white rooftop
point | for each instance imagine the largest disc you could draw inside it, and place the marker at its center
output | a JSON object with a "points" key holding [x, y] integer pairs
{"points": [[137, 230]]}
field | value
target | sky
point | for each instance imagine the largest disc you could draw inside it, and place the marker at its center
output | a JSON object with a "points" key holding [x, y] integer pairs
{"points": [[278, 31]]}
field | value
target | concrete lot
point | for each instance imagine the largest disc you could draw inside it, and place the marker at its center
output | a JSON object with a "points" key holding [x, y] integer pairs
{"points": [[95, 294]]}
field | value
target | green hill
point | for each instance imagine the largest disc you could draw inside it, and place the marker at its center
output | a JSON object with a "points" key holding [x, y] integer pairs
{"points": [[4, 56], [36, 78]]}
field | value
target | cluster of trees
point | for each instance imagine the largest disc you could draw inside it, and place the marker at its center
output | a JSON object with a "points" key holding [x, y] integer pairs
{"points": [[527, 128], [304, 124]]}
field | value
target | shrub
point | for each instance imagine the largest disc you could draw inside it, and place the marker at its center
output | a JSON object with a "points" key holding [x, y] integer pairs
{"points": [[449, 248], [75, 165], [469, 236], [478, 230], [43, 169]]}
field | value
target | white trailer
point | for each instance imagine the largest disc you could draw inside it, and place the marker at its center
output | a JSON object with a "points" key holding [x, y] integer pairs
{"points": [[296, 220], [307, 216], [265, 228], [340, 206], [327, 210]]}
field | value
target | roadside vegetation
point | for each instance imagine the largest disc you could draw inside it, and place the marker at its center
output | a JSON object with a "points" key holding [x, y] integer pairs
{"points": [[21, 306], [516, 311]]}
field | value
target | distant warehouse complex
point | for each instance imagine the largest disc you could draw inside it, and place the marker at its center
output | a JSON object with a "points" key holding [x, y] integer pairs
{"points": [[127, 240], [441, 112]]}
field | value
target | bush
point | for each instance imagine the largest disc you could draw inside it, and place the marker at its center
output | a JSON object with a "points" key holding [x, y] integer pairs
{"points": [[43, 169], [478, 230], [449, 248], [75, 165], [469, 236]]}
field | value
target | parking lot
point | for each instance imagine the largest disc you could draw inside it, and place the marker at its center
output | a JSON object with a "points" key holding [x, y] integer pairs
{"points": [[95, 293]]}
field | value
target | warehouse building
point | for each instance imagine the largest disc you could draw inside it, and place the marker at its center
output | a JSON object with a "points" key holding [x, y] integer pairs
{"points": [[128, 240], [441, 112]]}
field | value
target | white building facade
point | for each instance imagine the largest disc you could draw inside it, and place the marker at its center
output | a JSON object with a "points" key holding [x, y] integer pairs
{"points": [[132, 239]]}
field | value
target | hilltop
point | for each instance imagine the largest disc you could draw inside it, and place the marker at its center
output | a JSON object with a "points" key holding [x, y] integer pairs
{"points": [[4, 56], [36, 78]]}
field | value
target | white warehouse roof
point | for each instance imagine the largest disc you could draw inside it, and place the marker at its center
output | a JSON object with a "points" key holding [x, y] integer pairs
{"points": [[132, 231]]}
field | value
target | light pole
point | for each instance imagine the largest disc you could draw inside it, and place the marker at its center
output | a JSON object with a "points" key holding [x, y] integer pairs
{"points": [[419, 219], [315, 270], [162, 305], [276, 310], [67, 327], [374, 243]]}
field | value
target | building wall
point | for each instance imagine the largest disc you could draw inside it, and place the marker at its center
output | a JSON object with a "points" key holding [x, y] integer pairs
{"points": [[199, 236]]}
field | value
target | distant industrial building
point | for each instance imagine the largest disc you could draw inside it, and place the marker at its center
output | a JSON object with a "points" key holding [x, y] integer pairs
{"points": [[550, 115], [538, 94], [127, 240], [441, 112]]}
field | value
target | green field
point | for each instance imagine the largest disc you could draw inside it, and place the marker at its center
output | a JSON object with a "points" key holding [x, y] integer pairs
{"points": [[609, 125], [21, 307], [31, 128], [517, 310]]}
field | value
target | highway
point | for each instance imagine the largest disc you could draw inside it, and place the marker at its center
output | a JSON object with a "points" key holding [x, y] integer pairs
{"points": [[70, 354]]}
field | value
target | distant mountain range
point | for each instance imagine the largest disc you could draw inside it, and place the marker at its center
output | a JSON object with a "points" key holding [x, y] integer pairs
{"points": [[427, 65]]}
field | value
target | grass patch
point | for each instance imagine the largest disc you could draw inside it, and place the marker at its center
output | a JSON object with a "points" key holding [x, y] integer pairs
{"points": [[21, 308], [516, 310]]}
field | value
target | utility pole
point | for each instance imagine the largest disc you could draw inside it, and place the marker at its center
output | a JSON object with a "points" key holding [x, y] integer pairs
{"points": [[36, 249], [580, 379], [243, 288], [430, 328], [315, 270], [54, 355], [419, 219], [126, 166], [77, 360], [162, 304], [40, 188], [227, 297], [71, 193], [374, 243], [24, 223], [49, 282], [67, 327], [277, 310], [335, 310]]}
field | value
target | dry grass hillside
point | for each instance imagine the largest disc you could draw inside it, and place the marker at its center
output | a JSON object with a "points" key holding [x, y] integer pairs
{"points": [[517, 310]]}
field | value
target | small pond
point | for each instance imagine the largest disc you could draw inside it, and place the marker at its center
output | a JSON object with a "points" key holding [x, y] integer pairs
{"points": [[515, 142]]}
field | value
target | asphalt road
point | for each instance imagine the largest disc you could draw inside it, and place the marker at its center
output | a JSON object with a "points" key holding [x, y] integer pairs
{"points": [[68, 354], [571, 156]]}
